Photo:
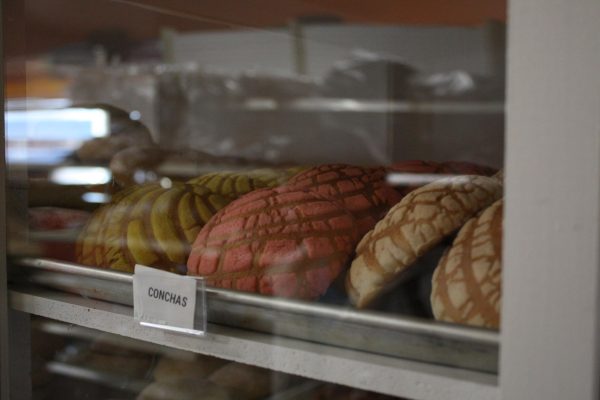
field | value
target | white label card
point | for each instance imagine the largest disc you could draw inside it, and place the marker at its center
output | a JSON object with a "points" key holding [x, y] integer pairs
{"points": [[165, 300]]}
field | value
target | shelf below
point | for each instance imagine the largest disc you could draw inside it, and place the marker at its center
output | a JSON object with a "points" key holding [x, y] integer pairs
{"points": [[135, 386], [79, 332], [328, 324], [91, 375], [348, 367]]}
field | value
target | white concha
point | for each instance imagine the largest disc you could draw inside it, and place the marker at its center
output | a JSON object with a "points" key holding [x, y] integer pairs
{"points": [[411, 228], [466, 285]]}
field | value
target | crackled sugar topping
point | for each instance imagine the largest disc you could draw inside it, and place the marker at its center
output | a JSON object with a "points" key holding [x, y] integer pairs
{"points": [[149, 225], [230, 184], [362, 191], [412, 227], [466, 285], [276, 242]]}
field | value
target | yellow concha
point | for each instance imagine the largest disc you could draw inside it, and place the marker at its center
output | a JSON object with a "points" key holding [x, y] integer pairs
{"points": [[413, 227], [149, 225], [229, 184], [234, 184]]}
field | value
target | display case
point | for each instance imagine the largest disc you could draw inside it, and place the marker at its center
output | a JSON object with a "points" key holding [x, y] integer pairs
{"points": [[300, 200]]}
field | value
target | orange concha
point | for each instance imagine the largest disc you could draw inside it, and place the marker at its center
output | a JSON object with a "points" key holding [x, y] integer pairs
{"points": [[362, 191]]}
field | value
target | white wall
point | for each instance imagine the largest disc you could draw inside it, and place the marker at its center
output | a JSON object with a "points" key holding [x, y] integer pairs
{"points": [[430, 49], [357, 137]]}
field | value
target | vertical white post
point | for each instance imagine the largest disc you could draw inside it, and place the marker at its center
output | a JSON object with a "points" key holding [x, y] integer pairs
{"points": [[19, 372], [4, 363], [551, 309]]}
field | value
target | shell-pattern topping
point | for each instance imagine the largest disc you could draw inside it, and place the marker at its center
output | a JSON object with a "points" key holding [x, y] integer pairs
{"points": [[275, 242], [149, 225], [420, 221], [362, 191], [466, 285], [234, 184]]}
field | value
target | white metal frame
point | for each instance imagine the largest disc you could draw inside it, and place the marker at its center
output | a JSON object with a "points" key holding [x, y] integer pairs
{"points": [[550, 332], [4, 363], [551, 313], [390, 375]]}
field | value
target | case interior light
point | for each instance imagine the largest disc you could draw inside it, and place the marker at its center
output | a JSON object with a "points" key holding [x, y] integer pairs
{"points": [[80, 175], [96, 197], [166, 183], [93, 122], [135, 115], [401, 178], [49, 136]]}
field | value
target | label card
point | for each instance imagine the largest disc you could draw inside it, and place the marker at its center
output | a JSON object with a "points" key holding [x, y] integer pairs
{"points": [[168, 301]]}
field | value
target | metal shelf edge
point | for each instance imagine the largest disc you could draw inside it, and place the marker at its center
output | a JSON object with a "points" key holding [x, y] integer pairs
{"points": [[372, 332]]}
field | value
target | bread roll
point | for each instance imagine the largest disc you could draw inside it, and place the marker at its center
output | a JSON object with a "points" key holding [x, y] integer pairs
{"points": [[169, 369], [184, 389], [500, 175], [444, 167], [466, 285], [248, 382], [118, 360], [54, 218], [123, 133], [127, 162], [275, 242], [411, 228]]}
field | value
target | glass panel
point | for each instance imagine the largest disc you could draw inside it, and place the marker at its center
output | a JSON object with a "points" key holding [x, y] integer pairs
{"points": [[70, 362], [332, 169]]}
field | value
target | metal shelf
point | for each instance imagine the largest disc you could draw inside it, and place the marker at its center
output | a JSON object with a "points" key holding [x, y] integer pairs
{"points": [[79, 332], [379, 352], [134, 383], [334, 325], [92, 375], [367, 371], [135, 386]]}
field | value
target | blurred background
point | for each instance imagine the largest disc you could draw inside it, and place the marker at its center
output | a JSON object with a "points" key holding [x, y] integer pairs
{"points": [[101, 96]]}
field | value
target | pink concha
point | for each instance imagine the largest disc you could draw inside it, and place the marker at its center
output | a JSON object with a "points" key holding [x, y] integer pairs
{"points": [[280, 242]]}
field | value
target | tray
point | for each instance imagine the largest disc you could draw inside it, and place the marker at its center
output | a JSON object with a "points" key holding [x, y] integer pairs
{"points": [[135, 386], [341, 326], [93, 375]]}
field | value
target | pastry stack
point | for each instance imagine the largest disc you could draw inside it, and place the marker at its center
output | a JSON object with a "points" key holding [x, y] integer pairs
{"points": [[413, 227], [149, 225], [155, 224], [296, 239], [293, 232]]}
